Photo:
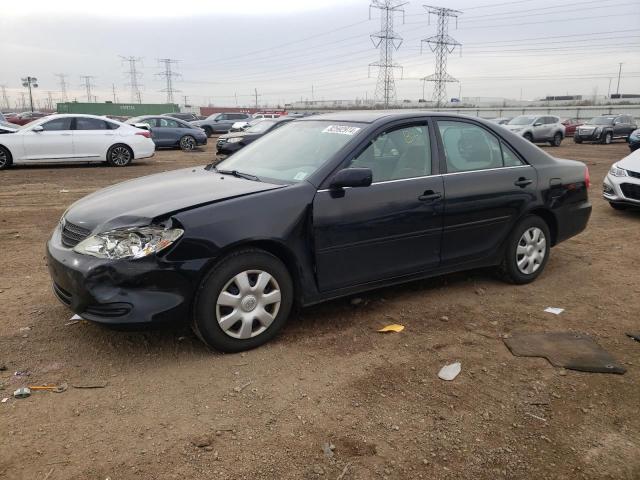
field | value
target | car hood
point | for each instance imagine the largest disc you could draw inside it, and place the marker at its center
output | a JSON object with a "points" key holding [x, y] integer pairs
{"points": [[631, 162], [234, 134], [138, 202], [515, 127]]}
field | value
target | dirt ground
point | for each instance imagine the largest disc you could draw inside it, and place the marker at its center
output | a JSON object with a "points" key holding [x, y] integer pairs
{"points": [[330, 378]]}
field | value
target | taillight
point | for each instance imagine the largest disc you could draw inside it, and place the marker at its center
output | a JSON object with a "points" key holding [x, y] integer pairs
{"points": [[587, 177], [144, 133]]}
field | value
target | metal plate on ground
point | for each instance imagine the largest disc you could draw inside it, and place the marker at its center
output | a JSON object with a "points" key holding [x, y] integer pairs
{"points": [[574, 351]]}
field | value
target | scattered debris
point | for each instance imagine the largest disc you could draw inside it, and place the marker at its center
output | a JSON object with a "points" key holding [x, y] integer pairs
{"points": [[449, 372], [444, 318], [635, 336], [5, 400], [90, 385], [22, 373], [48, 474], [3, 368], [64, 190], [535, 416], [356, 301], [328, 449], [344, 471], [570, 350], [24, 329], [52, 388], [23, 392], [480, 291], [394, 327], [241, 387], [554, 310], [201, 441]]}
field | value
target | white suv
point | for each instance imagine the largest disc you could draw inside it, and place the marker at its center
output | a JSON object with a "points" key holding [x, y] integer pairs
{"points": [[538, 128], [622, 184]]}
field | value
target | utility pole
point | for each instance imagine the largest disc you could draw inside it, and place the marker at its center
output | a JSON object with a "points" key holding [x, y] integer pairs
{"points": [[30, 83], [63, 86], [387, 41], [312, 92], [134, 75], [87, 86], [50, 99], [619, 74], [442, 45], [5, 99], [168, 75], [186, 102], [22, 101], [255, 92], [235, 96], [113, 91]]}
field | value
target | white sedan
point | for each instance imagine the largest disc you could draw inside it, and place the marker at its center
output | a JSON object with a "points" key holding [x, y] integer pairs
{"points": [[622, 183], [74, 138]]}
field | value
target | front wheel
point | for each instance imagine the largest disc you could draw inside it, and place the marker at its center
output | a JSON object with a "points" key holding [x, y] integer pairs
{"points": [[527, 250], [577, 139], [528, 136], [608, 138], [119, 156], [244, 302], [557, 140], [5, 158], [188, 143]]}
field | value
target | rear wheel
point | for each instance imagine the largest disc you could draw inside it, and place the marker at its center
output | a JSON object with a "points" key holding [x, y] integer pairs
{"points": [[527, 250], [528, 136], [119, 156], [557, 140], [188, 143], [244, 302], [5, 158], [577, 139], [608, 138], [208, 130]]}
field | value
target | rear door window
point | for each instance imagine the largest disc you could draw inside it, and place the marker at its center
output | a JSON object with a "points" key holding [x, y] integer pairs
{"points": [[84, 123]]}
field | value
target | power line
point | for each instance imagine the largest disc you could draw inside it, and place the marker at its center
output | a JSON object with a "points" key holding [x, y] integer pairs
{"points": [[63, 86], [88, 86], [441, 44], [168, 75], [387, 41], [134, 75]]}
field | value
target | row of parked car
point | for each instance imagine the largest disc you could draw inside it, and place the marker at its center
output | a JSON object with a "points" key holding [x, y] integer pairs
{"points": [[552, 129]]}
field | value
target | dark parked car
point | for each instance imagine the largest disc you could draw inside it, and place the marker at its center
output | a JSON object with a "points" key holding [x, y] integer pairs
{"points": [[232, 142], [186, 116], [171, 132], [605, 129], [634, 140], [220, 122], [323, 207], [26, 117]]}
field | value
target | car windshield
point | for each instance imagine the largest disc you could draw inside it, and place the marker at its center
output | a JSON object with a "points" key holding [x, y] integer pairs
{"points": [[212, 116], [522, 120], [260, 127], [600, 121], [133, 120], [292, 152]]}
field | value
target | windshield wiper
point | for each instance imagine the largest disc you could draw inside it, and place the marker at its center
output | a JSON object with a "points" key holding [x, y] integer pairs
{"points": [[236, 173]]}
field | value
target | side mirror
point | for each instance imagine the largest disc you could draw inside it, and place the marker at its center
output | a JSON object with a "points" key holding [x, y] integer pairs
{"points": [[537, 124], [38, 128], [352, 177]]}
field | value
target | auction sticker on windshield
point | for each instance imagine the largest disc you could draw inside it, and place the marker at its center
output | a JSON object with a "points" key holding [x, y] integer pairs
{"points": [[341, 129]]}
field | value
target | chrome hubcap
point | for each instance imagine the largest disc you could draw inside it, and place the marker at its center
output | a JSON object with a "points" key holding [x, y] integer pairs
{"points": [[3, 158], [532, 248], [188, 143], [120, 156], [248, 304]]}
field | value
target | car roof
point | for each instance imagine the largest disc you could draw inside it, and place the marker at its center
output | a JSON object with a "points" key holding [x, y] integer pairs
{"points": [[373, 116]]}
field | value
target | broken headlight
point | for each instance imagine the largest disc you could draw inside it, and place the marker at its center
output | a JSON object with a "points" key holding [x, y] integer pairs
{"points": [[129, 243]]}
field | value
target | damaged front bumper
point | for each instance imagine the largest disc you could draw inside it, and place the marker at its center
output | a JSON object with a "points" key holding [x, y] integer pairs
{"points": [[145, 290]]}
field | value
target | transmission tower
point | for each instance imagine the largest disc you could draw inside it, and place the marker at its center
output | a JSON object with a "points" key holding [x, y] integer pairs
{"points": [[88, 86], [134, 75], [387, 41], [442, 45], [50, 100], [168, 75], [63, 86], [5, 98]]}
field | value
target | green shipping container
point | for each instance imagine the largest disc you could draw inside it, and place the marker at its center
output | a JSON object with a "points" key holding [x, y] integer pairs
{"points": [[119, 109]]}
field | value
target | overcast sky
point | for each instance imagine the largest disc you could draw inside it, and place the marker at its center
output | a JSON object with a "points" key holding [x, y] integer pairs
{"points": [[286, 48]]}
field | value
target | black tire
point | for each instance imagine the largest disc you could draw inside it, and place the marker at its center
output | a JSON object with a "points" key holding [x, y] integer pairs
{"points": [[577, 139], [119, 155], [557, 140], [5, 158], [510, 270], [188, 143], [208, 130], [206, 310], [618, 206], [608, 138], [528, 136]]}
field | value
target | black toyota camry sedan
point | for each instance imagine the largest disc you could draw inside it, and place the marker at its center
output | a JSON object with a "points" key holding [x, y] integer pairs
{"points": [[232, 142], [323, 207]]}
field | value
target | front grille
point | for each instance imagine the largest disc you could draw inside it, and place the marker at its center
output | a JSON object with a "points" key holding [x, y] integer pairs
{"points": [[73, 234], [631, 190], [633, 174]]}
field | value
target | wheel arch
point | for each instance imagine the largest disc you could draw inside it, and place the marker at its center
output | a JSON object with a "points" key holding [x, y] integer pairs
{"points": [[117, 144], [550, 219]]}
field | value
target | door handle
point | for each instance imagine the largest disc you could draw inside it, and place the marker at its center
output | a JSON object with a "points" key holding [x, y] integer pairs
{"points": [[523, 182], [65, 134], [429, 195]]}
